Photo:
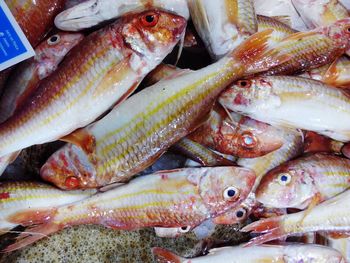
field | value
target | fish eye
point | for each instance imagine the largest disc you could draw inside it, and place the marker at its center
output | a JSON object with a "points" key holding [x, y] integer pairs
{"points": [[149, 19], [71, 182], [231, 193], [241, 213], [348, 29], [53, 40], [185, 229], [248, 140], [244, 83], [284, 179]]}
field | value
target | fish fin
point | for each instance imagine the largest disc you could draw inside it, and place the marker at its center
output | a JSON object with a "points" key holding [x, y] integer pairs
{"points": [[31, 235], [110, 187], [314, 202], [165, 256], [299, 35], [263, 225], [81, 138], [254, 53], [231, 8], [181, 46], [331, 75], [338, 235], [31, 216], [287, 20], [269, 236]]}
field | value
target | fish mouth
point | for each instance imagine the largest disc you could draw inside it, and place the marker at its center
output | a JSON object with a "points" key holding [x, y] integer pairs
{"points": [[81, 16]]}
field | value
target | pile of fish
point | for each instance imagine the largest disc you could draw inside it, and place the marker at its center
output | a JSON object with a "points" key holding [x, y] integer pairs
{"points": [[254, 95]]}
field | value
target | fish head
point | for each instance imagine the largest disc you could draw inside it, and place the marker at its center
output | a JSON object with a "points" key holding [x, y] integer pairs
{"points": [[223, 188], [339, 32], [286, 186], [254, 138], [52, 51], [70, 168], [247, 95], [152, 35]]}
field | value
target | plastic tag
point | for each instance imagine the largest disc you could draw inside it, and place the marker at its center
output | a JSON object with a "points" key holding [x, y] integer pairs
{"points": [[14, 46]]}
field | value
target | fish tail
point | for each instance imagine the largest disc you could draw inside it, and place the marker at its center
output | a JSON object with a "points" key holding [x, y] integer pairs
{"points": [[165, 256], [42, 226], [270, 227], [256, 55]]}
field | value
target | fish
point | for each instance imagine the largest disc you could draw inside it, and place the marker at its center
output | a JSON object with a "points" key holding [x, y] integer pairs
{"points": [[280, 8], [313, 49], [281, 30], [223, 25], [168, 198], [331, 216], [27, 76], [101, 71], [338, 73], [320, 12], [313, 143], [151, 121], [237, 135], [18, 198], [256, 254], [291, 148], [94, 12], [340, 244], [200, 154], [304, 182], [35, 17], [292, 102]]}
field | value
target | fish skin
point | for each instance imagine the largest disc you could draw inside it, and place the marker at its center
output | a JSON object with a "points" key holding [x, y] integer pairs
{"points": [[227, 135], [288, 252], [315, 142], [109, 151], [167, 198], [93, 12], [329, 216], [35, 17], [338, 73], [320, 175], [313, 49], [223, 25], [318, 13], [280, 98], [26, 77], [98, 73], [25, 197]]}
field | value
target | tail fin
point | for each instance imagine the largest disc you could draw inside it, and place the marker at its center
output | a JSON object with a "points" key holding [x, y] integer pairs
{"points": [[165, 256], [33, 234], [271, 227], [255, 54]]}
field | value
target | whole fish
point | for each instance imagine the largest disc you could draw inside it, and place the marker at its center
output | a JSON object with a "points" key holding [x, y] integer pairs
{"points": [[93, 12], [305, 181], [200, 154], [223, 25], [169, 198], [313, 49], [318, 13], [264, 253], [292, 102], [291, 148], [26, 77], [237, 135], [35, 17], [103, 69], [24, 198], [338, 73], [135, 133], [330, 216]]}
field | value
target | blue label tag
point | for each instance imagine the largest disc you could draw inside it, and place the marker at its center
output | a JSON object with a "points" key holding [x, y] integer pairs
{"points": [[14, 46]]}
